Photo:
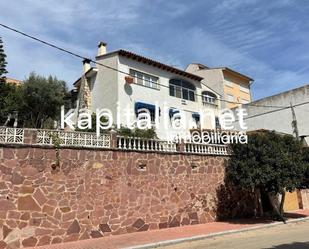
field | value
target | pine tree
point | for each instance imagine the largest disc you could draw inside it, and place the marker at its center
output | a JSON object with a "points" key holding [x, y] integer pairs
{"points": [[3, 62]]}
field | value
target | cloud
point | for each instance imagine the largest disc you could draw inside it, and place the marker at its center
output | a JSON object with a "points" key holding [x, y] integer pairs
{"points": [[265, 39], [67, 26]]}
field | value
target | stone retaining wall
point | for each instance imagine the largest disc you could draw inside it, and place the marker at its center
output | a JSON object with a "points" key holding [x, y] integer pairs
{"points": [[95, 193]]}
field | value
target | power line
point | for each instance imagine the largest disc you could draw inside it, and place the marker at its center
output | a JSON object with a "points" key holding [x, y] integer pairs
{"points": [[284, 108], [112, 68]]}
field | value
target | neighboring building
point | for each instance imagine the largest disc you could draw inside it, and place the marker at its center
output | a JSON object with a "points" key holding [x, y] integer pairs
{"points": [[233, 86], [153, 82], [13, 81], [275, 113]]}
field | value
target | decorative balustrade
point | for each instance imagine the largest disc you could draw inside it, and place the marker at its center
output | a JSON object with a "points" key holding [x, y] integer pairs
{"points": [[90, 140], [140, 144], [11, 135], [207, 149], [74, 139]]}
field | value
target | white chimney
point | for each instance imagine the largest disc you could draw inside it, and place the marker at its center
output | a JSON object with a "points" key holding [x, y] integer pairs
{"points": [[86, 65], [102, 48]]}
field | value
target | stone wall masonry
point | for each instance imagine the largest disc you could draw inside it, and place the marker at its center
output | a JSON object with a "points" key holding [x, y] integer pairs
{"points": [[96, 193]]}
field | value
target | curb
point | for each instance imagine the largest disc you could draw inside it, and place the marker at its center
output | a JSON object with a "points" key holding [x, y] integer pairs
{"points": [[212, 235]]}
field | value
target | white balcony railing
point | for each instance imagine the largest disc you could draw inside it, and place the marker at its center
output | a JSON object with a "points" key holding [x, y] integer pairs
{"points": [[209, 101], [90, 140], [140, 144], [206, 149], [74, 139], [11, 135]]}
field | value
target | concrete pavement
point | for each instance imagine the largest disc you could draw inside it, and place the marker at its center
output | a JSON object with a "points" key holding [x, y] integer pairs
{"points": [[154, 238], [290, 236]]}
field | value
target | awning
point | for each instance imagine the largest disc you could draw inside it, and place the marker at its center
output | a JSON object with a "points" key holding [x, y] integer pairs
{"points": [[196, 115], [173, 111], [141, 105]]}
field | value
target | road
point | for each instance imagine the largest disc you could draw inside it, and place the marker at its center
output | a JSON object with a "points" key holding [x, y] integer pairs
{"points": [[290, 236]]}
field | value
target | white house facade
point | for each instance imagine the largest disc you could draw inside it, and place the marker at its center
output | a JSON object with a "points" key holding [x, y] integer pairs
{"points": [[128, 80]]}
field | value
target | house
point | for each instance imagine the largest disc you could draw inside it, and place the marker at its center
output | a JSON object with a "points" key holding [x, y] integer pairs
{"points": [[122, 78], [13, 81], [286, 112], [233, 86]]}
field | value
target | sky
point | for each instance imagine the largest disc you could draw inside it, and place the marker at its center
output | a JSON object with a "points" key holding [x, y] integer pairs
{"points": [[266, 40]]}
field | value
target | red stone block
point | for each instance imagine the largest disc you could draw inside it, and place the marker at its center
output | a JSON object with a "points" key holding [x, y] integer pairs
{"points": [[17, 178], [69, 216], [105, 228], [2, 244], [6, 205], [58, 232], [13, 215], [6, 170], [25, 216], [26, 189], [45, 240], [35, 222], [47, 224], [22, 153], [11, 223], [71, 237], [29, 171], [38, 153], [27, 203], [29, 242], [95, 234], [5, 231], [73, 228], [39, 196], [43, 231], [85, 235], [56, 240], [8, 153], [22, 224]]}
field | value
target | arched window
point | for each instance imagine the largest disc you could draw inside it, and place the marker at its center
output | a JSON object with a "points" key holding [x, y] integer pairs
{"points": [[182, 89], [209, 98]]}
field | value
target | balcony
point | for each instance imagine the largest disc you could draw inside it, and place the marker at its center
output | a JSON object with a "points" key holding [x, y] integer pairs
{"points": [[210, 101]]}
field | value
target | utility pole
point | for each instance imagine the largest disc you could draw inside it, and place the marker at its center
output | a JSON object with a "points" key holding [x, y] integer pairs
{"points": [[294, 122]]}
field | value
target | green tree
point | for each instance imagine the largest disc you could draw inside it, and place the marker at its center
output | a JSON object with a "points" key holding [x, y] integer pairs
{"points": [[305, 183], [269, 163], [10, 100], [136, 132], [9, 94], [3, 62], [42, 100]]}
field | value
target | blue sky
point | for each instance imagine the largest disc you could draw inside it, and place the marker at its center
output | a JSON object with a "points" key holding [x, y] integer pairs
{"points": [[266, 40]]}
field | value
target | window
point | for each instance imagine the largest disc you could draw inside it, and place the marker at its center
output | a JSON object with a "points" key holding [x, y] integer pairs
{"points": [[196, 118], [244, 88], [209, 98], [218, 125], [141, 107], [182, 89], [230, 98], [150, 112], [144, 79]]}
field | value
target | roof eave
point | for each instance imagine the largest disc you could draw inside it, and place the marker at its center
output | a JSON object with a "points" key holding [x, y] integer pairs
{"points": [[91, 70], [239, 74], [151, 62]]}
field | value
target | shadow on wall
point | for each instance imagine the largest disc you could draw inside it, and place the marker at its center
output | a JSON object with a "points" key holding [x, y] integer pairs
{"points": [[294, 245], [235, 203]]}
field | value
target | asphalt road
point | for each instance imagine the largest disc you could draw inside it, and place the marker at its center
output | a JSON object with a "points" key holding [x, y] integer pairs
{"points": [[289, 236]]}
